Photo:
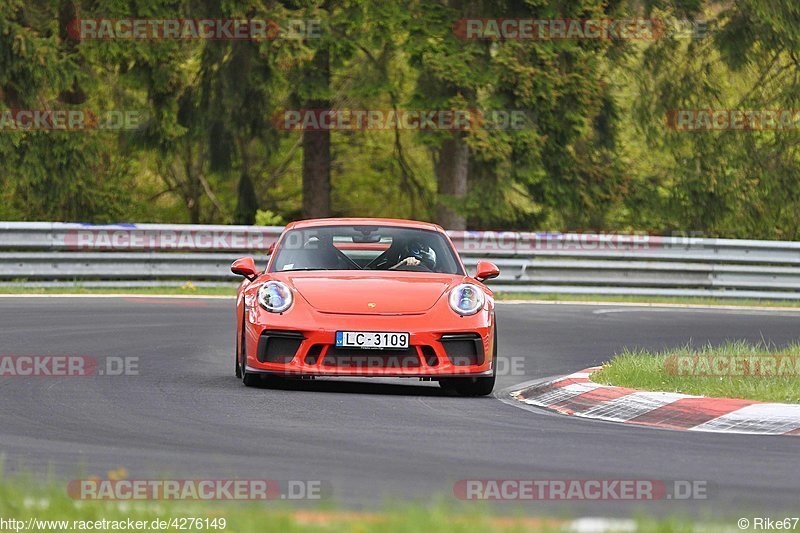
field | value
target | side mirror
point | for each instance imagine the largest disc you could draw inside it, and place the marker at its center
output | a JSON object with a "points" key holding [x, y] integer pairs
{"points": [[486, 270], [245, 266], [271, 249]]}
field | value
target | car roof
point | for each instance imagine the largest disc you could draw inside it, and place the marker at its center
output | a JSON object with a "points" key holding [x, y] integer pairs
{"points": [[318, 222]]}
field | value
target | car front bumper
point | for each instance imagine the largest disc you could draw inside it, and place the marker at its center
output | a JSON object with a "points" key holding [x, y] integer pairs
{"points": [[440, 345]]}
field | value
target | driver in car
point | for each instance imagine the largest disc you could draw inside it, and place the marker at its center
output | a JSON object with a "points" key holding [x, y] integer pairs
{"points": [[416, 254]]}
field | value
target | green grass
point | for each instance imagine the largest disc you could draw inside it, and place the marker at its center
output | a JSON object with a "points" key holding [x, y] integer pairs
{"points": [[22, 498], [646, 299], [640, 369], [185, 289]]}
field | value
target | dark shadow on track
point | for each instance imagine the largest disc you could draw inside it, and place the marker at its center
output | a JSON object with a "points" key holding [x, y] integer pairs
{"points": [[349, 387]]}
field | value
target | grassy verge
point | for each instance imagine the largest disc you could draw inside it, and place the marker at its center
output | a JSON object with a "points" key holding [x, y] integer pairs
{"points": [[646, 299], [177, 290], [733, 370], [24, 500]]}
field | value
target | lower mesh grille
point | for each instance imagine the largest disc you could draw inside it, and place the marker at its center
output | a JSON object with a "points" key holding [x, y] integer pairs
{"points": [[367, 359]]}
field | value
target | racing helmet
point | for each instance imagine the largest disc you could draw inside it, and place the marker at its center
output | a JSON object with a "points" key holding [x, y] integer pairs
{"points": [[423, 253]]}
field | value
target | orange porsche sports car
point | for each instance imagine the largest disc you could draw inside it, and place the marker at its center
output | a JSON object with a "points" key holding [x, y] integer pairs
{"points": [[366, 297]]}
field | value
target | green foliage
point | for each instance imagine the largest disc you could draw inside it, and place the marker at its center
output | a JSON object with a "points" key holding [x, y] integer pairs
{"points": [[53, 175], [726, 183], [268, 218], [595, 153]]}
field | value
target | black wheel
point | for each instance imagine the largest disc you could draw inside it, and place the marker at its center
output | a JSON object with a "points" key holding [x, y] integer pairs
{"points": [[482, 386], [470, 386], [248, 378], [236, 358], [237, 353]]}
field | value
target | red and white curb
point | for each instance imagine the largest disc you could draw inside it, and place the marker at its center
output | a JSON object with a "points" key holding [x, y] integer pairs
{"points": [[577, 396]]}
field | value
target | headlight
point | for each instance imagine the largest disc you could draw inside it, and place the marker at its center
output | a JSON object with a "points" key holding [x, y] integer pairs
{"points": [[275, 297], [466, 299]]}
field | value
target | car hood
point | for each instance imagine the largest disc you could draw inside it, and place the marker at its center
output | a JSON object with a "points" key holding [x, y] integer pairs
{"points": [[380, 293]]}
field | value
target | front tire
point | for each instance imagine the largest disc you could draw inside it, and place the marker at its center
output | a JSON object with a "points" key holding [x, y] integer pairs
{"points": [[248, 378], [238, 368], [469, 386], [237, 353]]}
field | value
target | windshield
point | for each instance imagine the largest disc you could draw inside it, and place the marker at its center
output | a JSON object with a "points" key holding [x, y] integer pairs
{"points": [[365, 248]]}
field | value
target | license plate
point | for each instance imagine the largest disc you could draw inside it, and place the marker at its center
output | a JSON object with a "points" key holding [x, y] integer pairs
{"points": [[375, 340]]}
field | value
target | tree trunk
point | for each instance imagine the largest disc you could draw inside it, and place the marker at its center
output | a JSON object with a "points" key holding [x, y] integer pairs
{"points": [[193, 188], [316, 174], [67, 13], [317, 149], [246, 203], [451, 176]]}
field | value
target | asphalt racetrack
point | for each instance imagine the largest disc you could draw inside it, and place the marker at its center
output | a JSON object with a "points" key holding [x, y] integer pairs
{"points": [[186, 416]]}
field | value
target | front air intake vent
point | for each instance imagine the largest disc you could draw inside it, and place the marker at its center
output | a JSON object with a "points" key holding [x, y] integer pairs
{"points": [[463, 349], [278, 346]]}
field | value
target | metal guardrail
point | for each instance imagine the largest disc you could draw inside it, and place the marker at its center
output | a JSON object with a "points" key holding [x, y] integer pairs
{"points": [[147, 254]]}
